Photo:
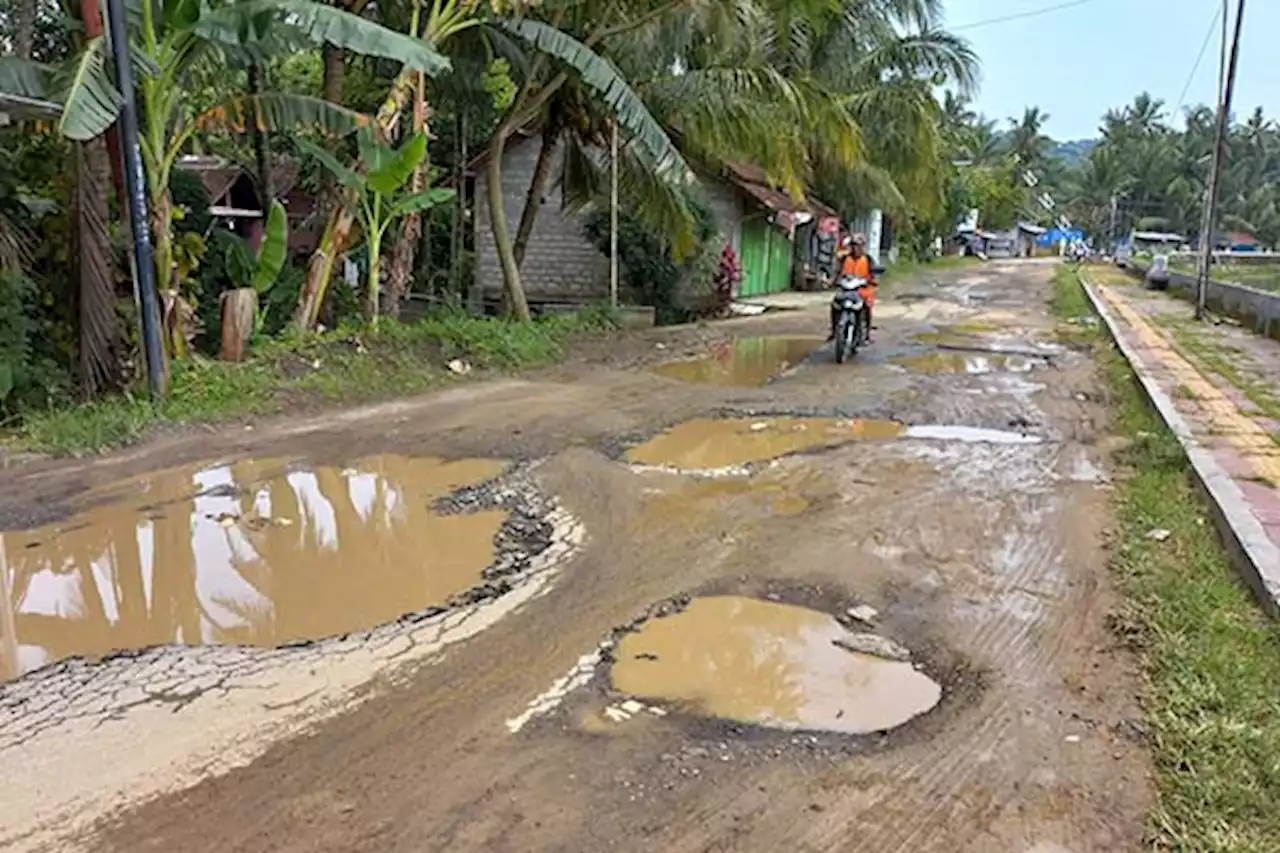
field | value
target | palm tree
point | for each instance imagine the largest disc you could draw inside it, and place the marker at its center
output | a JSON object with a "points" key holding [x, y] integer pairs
{"points": [[1027, 141], [171, 44]]}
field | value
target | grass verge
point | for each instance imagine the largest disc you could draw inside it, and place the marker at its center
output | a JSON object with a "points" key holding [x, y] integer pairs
{"points": [[905, 270], [348, 365], [1211, 658]]}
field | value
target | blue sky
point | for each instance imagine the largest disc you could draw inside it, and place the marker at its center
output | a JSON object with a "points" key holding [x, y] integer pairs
{"points": [[1076, 63]]}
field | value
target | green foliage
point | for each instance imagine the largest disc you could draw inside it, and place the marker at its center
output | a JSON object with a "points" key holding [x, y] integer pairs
{"points": [[378, 192], [27, 376], [348, 365], [993, 191], [648, 265], [188, 191]]}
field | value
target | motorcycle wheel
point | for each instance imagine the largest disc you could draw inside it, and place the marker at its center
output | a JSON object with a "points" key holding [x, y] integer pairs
{"points": [[842, 336], [855, 336]]}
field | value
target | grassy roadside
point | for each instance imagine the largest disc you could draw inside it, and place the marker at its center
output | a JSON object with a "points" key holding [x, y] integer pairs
{"points": [[1210, 656], [344, 366], [906, 270]]}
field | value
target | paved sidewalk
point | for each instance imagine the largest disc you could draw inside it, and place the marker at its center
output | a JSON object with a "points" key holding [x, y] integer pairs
{"points": [[1218, 388]]}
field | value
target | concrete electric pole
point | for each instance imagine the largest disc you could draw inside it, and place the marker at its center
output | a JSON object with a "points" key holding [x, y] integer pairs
{"points": [[1219, 145]]}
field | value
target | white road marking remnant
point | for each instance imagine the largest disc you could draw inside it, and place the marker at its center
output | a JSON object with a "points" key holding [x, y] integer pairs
{"points": [[548, 701]]}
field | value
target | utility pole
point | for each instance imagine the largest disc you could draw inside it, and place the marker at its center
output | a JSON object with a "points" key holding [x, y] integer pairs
{"points": [[136, 188], [613, 217], [1115, 212], [1219, 145]]}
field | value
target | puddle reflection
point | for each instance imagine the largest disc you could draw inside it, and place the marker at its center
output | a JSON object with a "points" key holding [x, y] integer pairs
{"points": [[255, 552], [743, 362], [768, 664]]}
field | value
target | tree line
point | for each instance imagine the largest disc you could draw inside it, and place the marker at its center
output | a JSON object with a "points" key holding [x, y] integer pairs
{"points": [[382, 106], [1148, 170]]}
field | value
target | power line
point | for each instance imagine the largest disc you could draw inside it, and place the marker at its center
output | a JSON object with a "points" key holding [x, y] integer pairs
{"points": [[1020, 15], [1204, 46]]}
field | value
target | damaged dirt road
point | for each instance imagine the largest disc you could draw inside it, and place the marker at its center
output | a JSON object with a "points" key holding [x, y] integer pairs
{"points": [[755, 601]]}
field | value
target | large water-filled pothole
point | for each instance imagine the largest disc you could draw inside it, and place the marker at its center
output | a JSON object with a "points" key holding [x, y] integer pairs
{"points": [[774, 665], [255, 553], [719, 443], [743, 362], [968, 363]]}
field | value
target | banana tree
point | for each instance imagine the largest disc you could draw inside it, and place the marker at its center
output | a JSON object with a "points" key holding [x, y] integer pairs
{"points": [[253, 274], [445, 19], [377, 193], [173, 40]]}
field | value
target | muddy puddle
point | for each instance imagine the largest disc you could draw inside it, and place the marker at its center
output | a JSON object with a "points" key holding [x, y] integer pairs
{"points": [[256, 552], [745, 362], [969, 435], [967, 363], [773, 497], [720, 443], [769, 664]]}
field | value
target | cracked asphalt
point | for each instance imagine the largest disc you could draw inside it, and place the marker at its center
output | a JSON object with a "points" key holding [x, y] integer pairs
{"points": [[467, 728]]}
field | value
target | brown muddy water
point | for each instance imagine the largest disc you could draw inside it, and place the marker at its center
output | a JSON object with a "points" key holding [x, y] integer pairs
{"points": [[745, 362], [717, 443], [769, 664], [967, 363], [255, 552]]}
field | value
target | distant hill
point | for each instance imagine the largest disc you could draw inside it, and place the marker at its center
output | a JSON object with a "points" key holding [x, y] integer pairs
{"points": [[1074, 151]]}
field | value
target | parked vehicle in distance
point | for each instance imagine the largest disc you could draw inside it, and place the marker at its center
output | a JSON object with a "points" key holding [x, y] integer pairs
{"points": [[1157, 277]]}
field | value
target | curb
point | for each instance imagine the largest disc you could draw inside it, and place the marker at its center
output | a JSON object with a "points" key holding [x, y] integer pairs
{"points": [[1250, 550]]}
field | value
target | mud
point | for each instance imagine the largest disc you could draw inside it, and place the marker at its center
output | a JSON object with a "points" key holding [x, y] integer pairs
{"points": [[769, 664], [461, 731], [744, 362], [712, 444], [257, 552]]}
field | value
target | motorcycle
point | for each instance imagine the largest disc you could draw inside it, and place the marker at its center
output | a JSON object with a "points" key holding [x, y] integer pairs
{"points": [[849, 322]]}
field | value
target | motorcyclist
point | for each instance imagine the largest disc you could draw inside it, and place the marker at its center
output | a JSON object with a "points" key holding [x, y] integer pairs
{"points": [[855, 262]]}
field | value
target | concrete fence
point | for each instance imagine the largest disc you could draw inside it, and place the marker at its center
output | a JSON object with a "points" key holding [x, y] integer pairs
{"points": [[1258, 309]]}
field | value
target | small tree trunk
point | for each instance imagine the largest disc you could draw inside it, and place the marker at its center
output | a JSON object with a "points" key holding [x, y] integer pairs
{"points": [[258, 133], [337, 231], [335, 72], [537, 188], [512, 287], [404, 253], [24, 36], [100, 333], [239, 311], [375, 262], [162, 237]]}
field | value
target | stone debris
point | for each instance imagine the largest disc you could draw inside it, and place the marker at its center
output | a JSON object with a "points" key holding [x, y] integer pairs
{"points": [[873, 644], [1159, 534], [863, 613]]}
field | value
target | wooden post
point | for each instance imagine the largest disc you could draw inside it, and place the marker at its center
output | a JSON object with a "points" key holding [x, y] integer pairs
{"points": [[613, 218], [239, 310]]}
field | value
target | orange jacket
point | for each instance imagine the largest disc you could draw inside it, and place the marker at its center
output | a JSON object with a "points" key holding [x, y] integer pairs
{"points": [[861, 268]]}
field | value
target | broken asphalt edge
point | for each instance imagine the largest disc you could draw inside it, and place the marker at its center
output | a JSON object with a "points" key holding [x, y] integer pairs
{"points": [[1249, 549]]}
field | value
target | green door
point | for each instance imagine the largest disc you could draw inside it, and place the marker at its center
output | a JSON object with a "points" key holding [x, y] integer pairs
{"points": [[755, 258], [779, 262], [766, 259]]}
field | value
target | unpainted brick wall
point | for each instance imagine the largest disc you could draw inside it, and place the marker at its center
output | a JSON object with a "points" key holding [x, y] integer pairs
{"points": [[560, 263]]}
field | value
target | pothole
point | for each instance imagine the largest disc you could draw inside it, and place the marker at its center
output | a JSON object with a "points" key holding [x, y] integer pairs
{"points": [[775, 497], [773, 665], [726, 443], [969, 434], [967, 363], [262, 553], [742, 362]]}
